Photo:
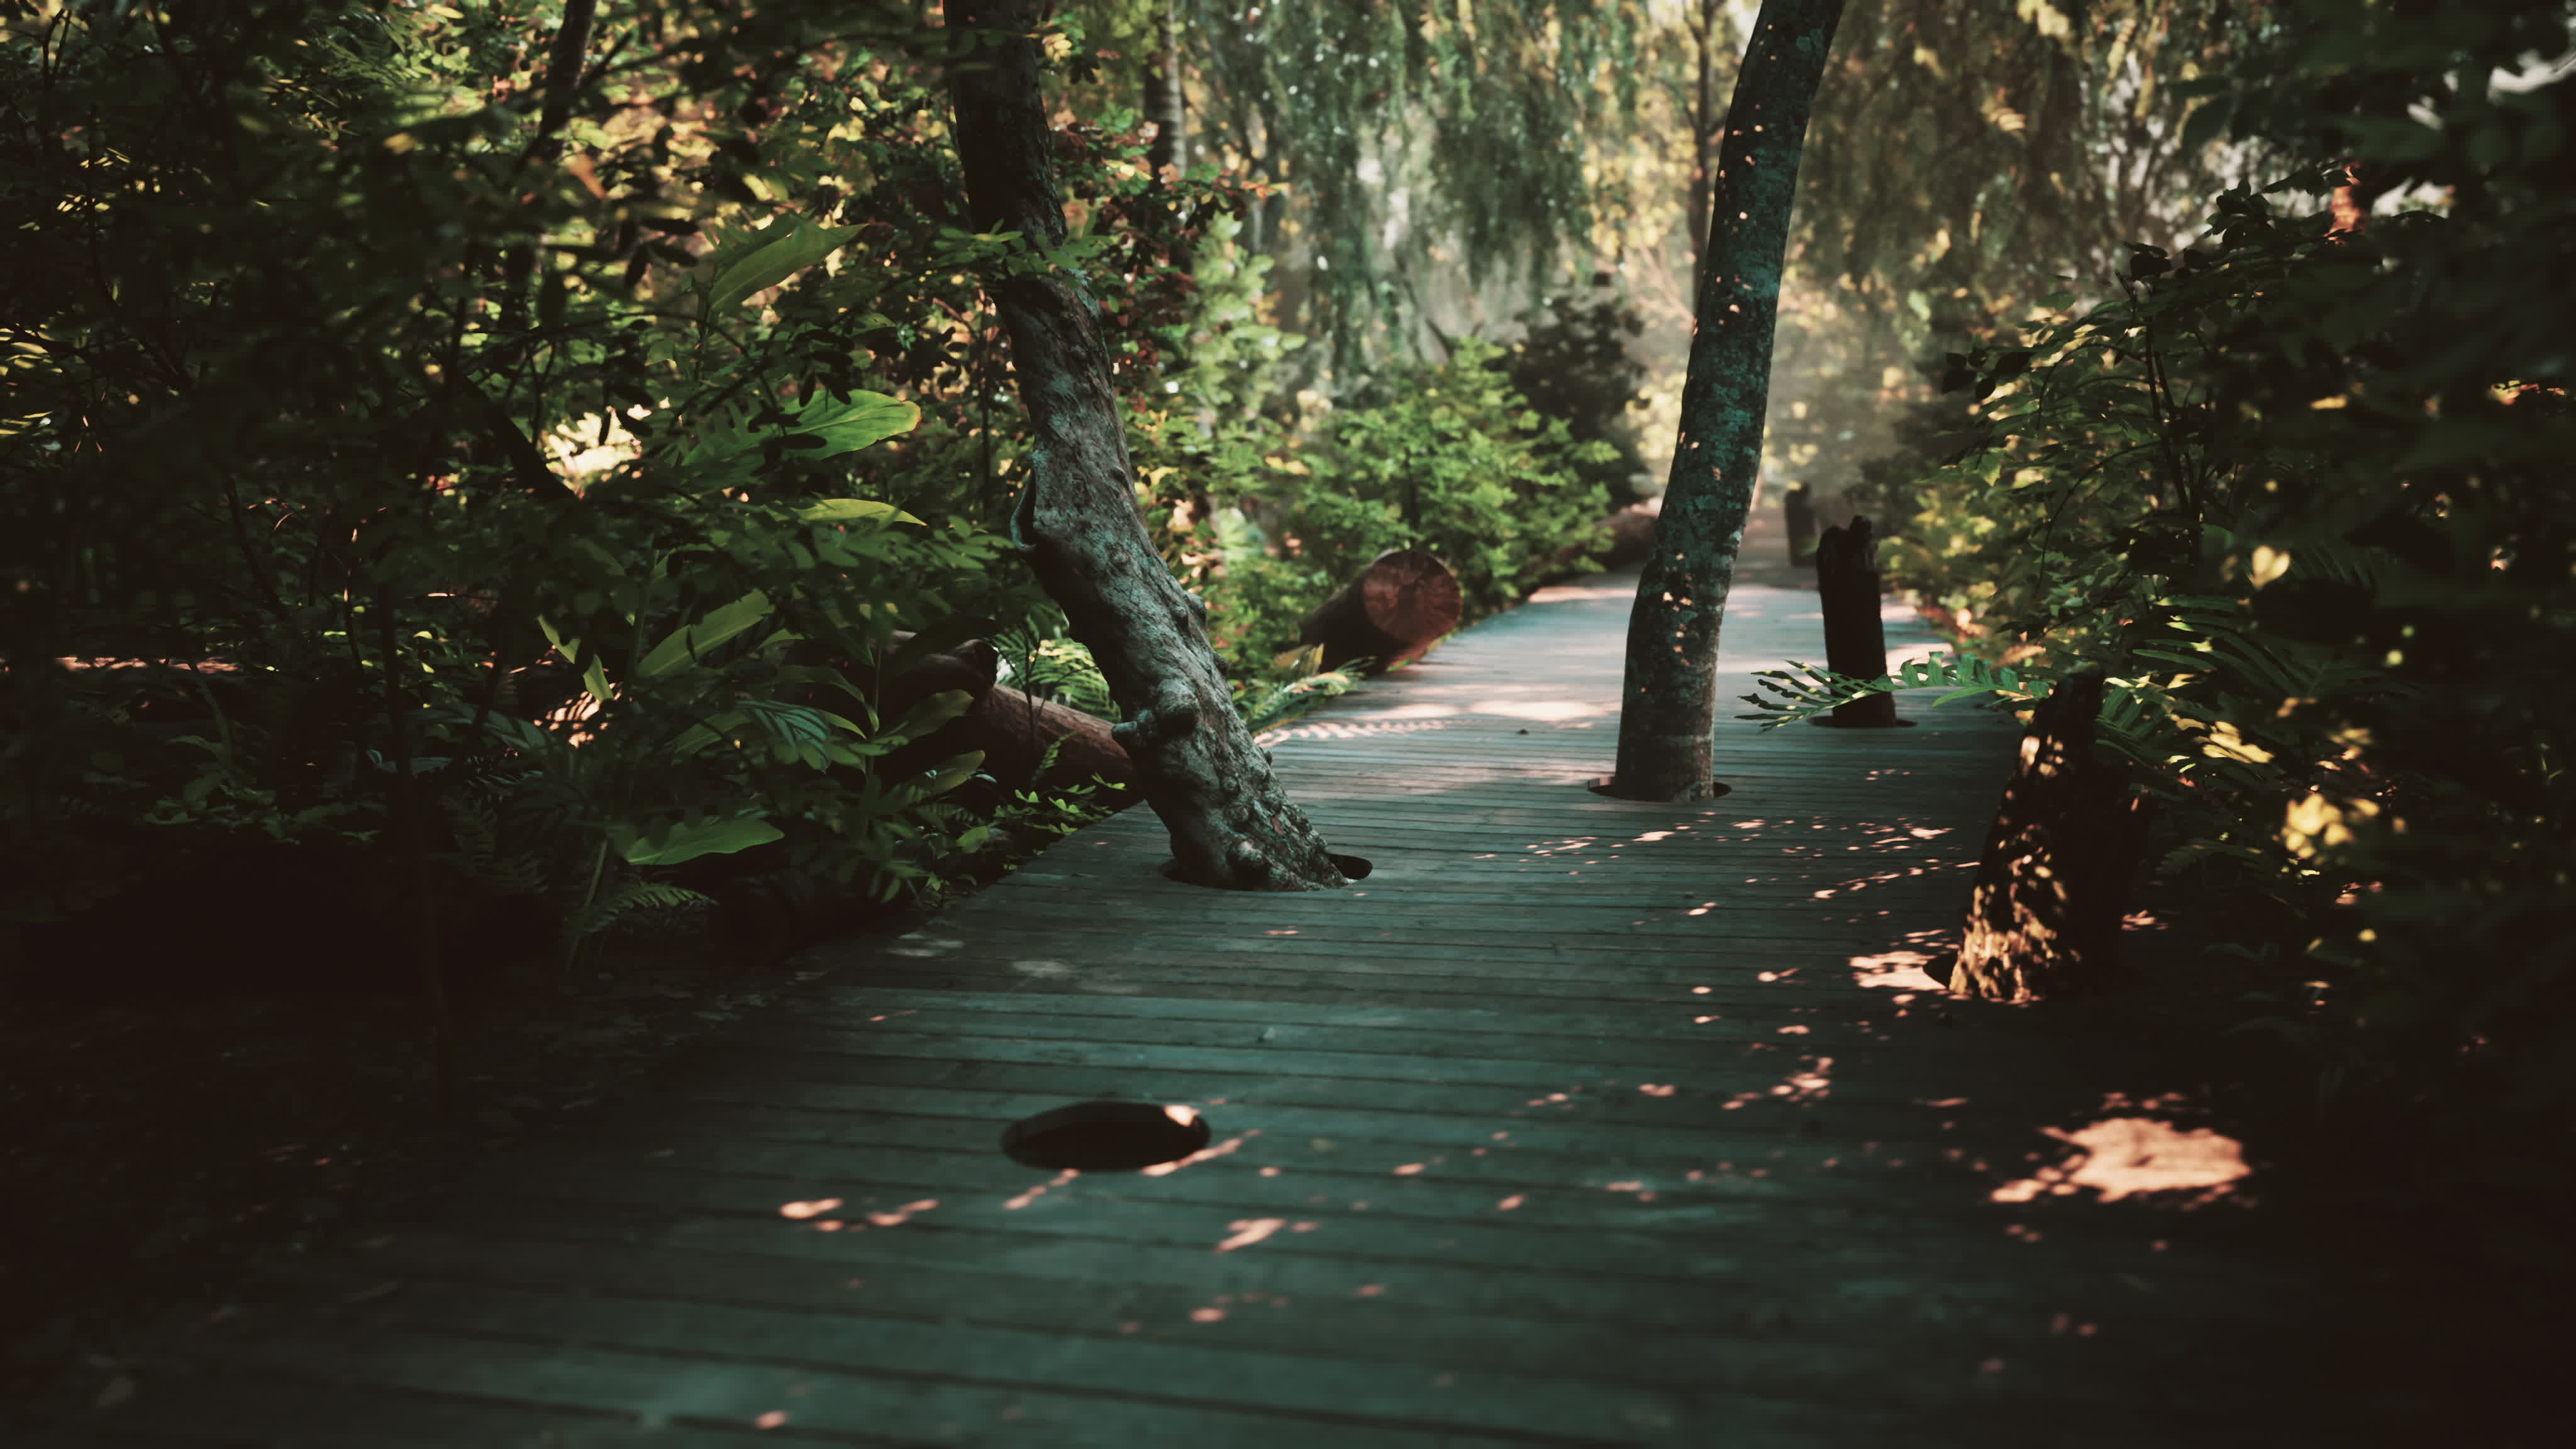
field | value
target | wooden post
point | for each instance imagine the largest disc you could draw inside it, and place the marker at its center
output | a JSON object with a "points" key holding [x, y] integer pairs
{"points": [[1848, 586], [1800, 516], [1404, 602], [2052, 884]]}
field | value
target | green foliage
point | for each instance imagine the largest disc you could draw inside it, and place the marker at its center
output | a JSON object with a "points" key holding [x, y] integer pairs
{"points": [[403, 430], [1045, 661], [2308, 490], [1265, 510], [1574, 365], [1276, 705]]}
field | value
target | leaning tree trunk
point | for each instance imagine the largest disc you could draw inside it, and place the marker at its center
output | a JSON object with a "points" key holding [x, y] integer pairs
{"points": [[1077, 521], [2045, 916], [1668, 710]]}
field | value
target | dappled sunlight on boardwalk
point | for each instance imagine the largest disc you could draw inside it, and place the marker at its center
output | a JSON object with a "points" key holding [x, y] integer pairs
{"points": [[1580, 1122]]}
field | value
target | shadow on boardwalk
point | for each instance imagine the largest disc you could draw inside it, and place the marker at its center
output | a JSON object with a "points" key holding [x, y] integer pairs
{"points": [[1579, 1122]]}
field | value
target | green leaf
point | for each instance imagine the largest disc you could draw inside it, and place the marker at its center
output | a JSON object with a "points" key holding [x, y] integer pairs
{"points": [[852, 510], [689, 840], [867, 418], [931, 713], [792, 248], [686, 644]]}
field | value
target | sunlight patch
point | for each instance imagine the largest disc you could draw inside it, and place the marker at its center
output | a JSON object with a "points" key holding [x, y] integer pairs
{"points": [[2122, 1156], [1901, 970]]}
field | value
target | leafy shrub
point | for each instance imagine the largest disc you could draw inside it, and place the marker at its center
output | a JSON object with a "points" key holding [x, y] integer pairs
{"points": [[2304, 493], [463, 421]]}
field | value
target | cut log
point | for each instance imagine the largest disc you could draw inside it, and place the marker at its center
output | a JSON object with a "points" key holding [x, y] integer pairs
{"points": [[2052, 884], [1404, 602], [1848, 587], [1800, 516]]}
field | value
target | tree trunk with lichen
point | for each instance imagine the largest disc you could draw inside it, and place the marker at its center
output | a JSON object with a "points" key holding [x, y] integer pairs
{"points": [[1077, 521], [1668, 708], [2052, 884]]}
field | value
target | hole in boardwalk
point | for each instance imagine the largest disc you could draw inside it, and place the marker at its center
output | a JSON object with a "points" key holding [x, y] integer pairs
{"points": [[1105, 1136]]}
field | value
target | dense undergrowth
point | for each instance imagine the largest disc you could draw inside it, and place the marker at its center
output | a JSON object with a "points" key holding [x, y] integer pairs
{"points": [[2304, 492], [483, 466]]}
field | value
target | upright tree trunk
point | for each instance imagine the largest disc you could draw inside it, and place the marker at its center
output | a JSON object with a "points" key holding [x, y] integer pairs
{"points": [[1708, 36], [1077, 520], [1668, 712], [1165, 103]]}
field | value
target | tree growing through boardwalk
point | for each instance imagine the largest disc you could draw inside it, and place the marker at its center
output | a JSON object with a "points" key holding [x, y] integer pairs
{"points": [[1077, 521], [1668, 705]]}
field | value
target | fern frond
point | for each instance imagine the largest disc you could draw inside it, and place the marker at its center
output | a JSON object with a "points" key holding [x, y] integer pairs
{"points": [[1269, 709], [633, 902], [1811, 691]]}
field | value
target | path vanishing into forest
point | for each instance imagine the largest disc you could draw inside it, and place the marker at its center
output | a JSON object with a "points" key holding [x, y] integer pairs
{"points": [[1579, 1121]]}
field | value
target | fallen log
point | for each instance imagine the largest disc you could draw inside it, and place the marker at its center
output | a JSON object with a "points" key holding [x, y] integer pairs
{"points": [[1848, 588], [1014, 730], [2052, 883], [1404, 602]]}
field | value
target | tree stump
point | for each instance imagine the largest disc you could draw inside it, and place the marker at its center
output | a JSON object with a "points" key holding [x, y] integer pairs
{"points": [[1848, 586], [1798, 512], [1400, 605], [2052, 883]]}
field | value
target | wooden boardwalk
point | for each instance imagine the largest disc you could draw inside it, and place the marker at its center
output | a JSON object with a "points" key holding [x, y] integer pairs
{"points": [[1579, 1122]]}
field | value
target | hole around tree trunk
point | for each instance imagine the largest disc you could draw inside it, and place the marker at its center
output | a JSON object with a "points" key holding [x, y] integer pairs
{"points": [[1105, 1136]]}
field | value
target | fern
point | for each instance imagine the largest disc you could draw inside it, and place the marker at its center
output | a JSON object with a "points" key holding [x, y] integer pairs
{"points": [[1045, 662], [653, 904], [1274, 706], [1807, 691], [480, 857]]}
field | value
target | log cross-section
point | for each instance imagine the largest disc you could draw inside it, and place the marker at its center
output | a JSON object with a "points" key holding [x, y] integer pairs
{"points": [[1404, 602]]}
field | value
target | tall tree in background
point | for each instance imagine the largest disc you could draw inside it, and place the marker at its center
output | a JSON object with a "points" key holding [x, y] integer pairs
{"points": [[1077, 521], [1668, 705]]}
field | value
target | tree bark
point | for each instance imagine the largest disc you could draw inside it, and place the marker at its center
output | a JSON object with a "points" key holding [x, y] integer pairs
{"points": [[1848, 589], [1077, 521], [1668, 712], [2053, 880], [1404, 602]]}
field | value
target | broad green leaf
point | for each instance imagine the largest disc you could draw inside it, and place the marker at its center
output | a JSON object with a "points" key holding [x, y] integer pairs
{"points": [[799, 245], [867, 418], [691, 641], [593, 678], [704, 837], [852, 510], [931, 713]]}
